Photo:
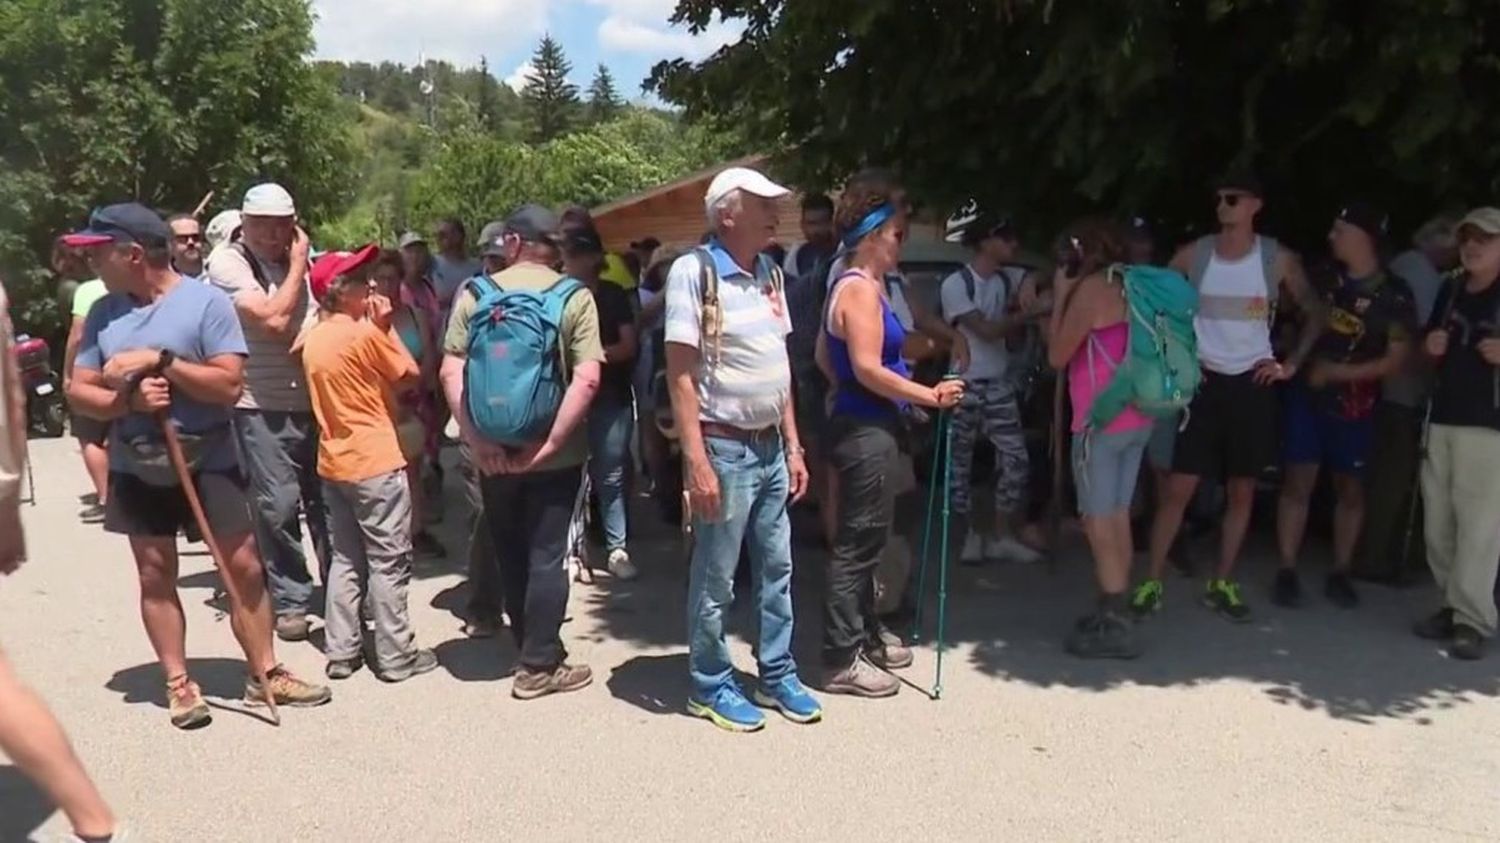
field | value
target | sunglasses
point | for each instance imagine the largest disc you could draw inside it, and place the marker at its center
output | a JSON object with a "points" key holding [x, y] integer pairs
{"points": [[188, 238], [1230, 199]]}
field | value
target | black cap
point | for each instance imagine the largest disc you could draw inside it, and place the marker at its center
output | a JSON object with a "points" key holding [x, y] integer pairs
{"points": [[1242, 180], [582, 241], [988, 225], [129, 222], [1367, 217], [646, 243], [533, 224], [1138, 226]]}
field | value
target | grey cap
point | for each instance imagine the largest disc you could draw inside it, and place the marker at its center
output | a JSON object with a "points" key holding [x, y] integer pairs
{"points": [[410, 238], [491, 239]]}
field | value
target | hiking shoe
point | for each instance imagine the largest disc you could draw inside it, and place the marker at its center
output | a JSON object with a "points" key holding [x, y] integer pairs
{"points": [[343, 668], [790, 698], [185, 705], [1287, 591], [92, 514], [1435, 627], [1340, 591], [620, 566], [1010, 549], [729, 710], [1146, 599], [425, 545], [293, 627], [862, 679], [1468, 644], [973, 552], [562, 679], [482, 627], [1223, 596], [1103, 636], [287, 690], [425, 661], [891, 653]]}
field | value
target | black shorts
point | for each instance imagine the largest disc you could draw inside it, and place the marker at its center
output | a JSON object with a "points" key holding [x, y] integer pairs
{"points": [[1231, 429], [137, 508], [89, 431]]}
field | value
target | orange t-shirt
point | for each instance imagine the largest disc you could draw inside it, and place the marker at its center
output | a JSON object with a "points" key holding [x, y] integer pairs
{"points": [[350, 367]]}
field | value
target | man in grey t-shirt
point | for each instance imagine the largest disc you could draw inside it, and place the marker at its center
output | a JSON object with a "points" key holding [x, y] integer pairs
{"points": [[265, 275]]}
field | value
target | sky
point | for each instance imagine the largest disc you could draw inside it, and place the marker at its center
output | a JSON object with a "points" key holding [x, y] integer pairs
{"points": [[628, 36]]}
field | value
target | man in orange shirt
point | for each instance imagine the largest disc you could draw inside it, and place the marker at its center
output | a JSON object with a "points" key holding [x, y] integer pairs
{"points": [[353, 362]]}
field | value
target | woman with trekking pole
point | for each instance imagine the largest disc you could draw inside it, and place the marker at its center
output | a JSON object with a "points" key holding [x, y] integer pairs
{"points": [[872, 391], [1088, 337]]}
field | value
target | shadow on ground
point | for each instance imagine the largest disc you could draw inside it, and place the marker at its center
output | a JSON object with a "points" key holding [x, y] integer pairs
{"points": [[144, 684], [23, 806]]}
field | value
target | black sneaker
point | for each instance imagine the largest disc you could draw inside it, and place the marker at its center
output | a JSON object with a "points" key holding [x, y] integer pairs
{"points": [[1340, 591], [92, 514], [343, 668], [1468, 644], [1223, 596], [1287, 591], [1103, 636], [425, 661], [1435, 627]]}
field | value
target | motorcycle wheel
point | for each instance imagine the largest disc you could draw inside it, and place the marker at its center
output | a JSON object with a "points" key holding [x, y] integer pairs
{"points": [[54, 418]]}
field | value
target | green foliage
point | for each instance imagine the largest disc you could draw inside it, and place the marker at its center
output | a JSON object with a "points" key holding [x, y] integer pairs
{"points": [[604, 101], [158, 101], [395, 89], [1052, 108], [551, 100]]}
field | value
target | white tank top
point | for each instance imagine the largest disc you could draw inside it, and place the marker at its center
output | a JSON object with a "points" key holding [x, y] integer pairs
{"points": [[1233, 321]]}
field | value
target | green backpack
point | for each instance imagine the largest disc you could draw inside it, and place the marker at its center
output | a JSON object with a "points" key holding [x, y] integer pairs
{"points": [[1159, 374]]}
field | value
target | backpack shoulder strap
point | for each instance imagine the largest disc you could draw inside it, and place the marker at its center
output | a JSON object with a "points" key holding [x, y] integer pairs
{"points": [[1270, 250], [1203, 255], [710, 312], [483, 285], [255, 268], [971, 282]]}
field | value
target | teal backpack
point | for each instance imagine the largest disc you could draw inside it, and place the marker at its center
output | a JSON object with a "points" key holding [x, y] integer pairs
{"points": [[515, 376], [1160, 372]]}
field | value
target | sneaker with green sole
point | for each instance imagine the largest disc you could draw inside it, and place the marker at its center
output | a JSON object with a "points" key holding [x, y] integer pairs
{"points": [[1146, 599], [1223, 596]]}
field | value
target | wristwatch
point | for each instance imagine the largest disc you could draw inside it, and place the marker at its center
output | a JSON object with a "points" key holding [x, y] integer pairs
{"points": [[164, 360]]}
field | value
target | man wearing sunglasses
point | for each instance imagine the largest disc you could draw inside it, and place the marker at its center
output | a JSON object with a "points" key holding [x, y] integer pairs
{"points": [[1230, 428], [187, 245]]}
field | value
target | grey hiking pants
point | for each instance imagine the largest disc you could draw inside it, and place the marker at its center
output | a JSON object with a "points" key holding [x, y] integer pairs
{"points": [[371, 521]]}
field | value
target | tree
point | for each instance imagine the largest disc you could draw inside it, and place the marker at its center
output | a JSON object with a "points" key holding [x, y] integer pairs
{"points": [[551, 100], [485, 103], [1052, 108], [158, 101], [604, 100]]}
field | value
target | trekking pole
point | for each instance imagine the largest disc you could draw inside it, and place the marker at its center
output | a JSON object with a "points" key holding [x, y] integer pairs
{"points": [[942, 618], [236, 601], [939, 455]]}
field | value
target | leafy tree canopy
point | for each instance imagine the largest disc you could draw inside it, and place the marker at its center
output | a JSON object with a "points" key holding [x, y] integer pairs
{"points": [[1049, 108]]}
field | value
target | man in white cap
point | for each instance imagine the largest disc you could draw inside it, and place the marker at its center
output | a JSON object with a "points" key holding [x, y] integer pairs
{"points": [[730, 382], [265, 274]]}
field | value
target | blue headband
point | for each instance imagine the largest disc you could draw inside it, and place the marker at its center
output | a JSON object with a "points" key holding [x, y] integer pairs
{"points": [[873, 220]]}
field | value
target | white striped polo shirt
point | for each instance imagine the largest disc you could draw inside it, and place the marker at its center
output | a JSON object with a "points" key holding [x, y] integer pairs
{"points": [[748, 382]]}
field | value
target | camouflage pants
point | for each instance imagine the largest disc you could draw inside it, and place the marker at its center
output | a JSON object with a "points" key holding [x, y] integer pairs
{"points": [[990, 407]]}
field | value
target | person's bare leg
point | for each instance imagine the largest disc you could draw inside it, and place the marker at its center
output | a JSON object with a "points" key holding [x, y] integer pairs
{"points": [[96, 463], [1103, 536], [1116, 578], [1171, 504], [161, 610], [244, 565], [1291, 511], [1348, 519], [32, 738], [1236, 523]]}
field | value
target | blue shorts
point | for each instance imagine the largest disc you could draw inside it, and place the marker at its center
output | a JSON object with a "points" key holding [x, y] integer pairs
{"points": [[1313, 435], [1105, 469]]}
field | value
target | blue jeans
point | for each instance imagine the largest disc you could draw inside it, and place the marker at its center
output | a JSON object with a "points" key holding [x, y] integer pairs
{"points": [[611, 427], [753, 487]]}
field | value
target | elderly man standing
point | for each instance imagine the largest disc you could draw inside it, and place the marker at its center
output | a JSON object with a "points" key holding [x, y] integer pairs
{"points": [[727, 370], [265, 275]]}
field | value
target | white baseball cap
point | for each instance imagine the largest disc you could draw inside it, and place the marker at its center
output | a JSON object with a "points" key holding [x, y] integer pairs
{"points": [[222, 227], [268, 200], [741, 178]]}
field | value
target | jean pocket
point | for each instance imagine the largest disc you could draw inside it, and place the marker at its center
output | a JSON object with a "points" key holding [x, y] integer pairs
{"points": [[726, 453]]}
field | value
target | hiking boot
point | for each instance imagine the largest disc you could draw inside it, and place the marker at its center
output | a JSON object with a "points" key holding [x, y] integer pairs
{"points": [[620, 566], [890, 653], [1287, 591], [973, 552], [862, 679], [1340, 591], [185, 705], [1223, 596], [425, 545], [343, 668], [562, 679], [287, 690], [93, 514], [425, 661], [1435, 627], [1468, 644], [1009, 549], [729, 710], [293, 626], [1146, 599], [790, 698], [1103, 636], [482, 627]]}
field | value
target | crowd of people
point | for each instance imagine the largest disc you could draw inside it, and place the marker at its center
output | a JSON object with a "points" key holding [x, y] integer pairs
{"points": [[319, 389]]}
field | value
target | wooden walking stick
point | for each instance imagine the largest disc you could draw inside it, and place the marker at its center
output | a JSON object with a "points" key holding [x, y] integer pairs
{"points": [[207, 198], [236, 601]]}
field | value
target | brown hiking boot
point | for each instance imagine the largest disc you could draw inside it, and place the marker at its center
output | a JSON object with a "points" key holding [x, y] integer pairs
{"points": [[531, 684], [293, 627], [185, 704], [287, 690], [862, 679], [891, 653]]}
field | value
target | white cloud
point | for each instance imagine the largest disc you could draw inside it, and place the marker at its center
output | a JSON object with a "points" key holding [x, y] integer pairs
{"points": [[626, 35], [517, 78], [458, 31]]}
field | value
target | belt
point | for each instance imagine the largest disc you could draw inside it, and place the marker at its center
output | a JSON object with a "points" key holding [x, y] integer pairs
{"points": [[739, 434]]}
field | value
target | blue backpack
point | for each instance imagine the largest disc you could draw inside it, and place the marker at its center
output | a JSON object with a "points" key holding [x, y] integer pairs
{"points": [[1160, 372], [515, 376]]}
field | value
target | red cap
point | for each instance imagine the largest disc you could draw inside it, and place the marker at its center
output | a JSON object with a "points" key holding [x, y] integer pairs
{"points": [[328, 267]]}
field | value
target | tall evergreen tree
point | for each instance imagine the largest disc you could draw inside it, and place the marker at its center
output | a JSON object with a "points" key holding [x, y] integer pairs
{"points": [[551, 100], [604, 100]]}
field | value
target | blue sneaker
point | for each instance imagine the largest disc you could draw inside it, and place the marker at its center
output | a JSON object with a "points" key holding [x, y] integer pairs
{"points": [[790, 698], [728, 710]]}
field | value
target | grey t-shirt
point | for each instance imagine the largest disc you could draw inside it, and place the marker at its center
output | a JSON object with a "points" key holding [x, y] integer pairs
{"points": [[448, 275], [273, 377]]}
